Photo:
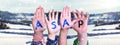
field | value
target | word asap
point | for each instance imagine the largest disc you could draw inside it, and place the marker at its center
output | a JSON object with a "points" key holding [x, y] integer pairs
{"points": [[38, 24]]}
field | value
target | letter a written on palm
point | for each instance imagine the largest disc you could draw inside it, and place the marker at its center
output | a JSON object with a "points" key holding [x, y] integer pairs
{"points": [[65, 18]]}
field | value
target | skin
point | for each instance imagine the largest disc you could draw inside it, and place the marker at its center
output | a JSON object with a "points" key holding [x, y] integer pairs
{"points": [[82, 30], [39, 16], [52, 31], [64, 30]]}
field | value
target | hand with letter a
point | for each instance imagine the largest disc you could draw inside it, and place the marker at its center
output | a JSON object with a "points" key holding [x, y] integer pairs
{"points": [[39, 25], [65, 19]]}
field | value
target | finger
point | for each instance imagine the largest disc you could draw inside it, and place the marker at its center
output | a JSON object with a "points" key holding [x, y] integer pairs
{"points": [[56, 15], [49, 15], [39, 12], [87, 15], [34, 16], [68, 11], [63, 12], [43, 15], [33, 26], [75, 16], [42, 12], [33, 22], [82, 14], [35, 13], [74, 21], [78, 12], [46, 18], [52, 14]]}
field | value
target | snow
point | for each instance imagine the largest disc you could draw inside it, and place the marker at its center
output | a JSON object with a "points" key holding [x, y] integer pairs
{"points": [[8, 30], [106, 26], [18, 26], [13, 39], [16, 39], [105, 40]]}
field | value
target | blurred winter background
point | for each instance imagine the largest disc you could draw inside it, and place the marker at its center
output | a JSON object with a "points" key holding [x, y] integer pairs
{"points": [[103, 24]]}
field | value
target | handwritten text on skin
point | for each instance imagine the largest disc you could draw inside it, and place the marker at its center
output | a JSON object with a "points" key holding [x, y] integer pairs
{"points": [[54, 25], [80, 23], [65, 23], [38, 24]]}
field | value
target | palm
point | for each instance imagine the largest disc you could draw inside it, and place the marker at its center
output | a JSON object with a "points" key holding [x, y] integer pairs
{"points": [[82, 28], [39, 19], [51, 29]]}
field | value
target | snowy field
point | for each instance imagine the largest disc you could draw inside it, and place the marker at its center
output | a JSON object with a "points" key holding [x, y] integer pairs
{"points": [[22, 35]]}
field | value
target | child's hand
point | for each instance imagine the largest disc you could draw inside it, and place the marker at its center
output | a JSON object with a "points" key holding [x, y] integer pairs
{"points": [[39, 24], [52, 24], [65, 19], [81, 25], [38, 21]]}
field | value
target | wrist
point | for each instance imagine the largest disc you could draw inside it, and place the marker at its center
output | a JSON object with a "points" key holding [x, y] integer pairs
{"points": [[81, 31], [82, 36], [38, 37], [64, 32], [38, 33], [64, 28], [36, 42], [53, 42], [51, 36]]}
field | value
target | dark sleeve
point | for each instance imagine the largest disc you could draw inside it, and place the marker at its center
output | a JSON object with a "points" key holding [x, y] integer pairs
{"points": [[36, 43], [52, 42]]}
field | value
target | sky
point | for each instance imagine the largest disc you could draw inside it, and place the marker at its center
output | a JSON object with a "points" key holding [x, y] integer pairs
{"points": [[29, 6]]}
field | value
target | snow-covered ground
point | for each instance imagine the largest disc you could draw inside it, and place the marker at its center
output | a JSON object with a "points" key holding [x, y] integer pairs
{"points": [[22, 35]]}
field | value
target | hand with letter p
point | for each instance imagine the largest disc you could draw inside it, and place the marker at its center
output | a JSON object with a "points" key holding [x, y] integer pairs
{"points": [[81, 26]]}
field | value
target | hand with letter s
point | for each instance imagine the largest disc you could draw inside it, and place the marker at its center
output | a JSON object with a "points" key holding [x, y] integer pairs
{"points": [[52, 24]]}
